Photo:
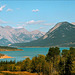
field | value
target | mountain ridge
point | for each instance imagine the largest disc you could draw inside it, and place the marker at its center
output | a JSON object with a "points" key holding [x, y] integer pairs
{"points": [[62, 34], [17, 35]]}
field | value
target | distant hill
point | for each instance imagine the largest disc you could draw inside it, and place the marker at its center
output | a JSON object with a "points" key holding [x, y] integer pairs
{"points": [[9, 35], [6, 48], [62, 35]]}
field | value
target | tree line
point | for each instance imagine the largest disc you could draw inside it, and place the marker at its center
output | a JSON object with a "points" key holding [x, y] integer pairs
{"points": [[54, 63], [7, 47]]}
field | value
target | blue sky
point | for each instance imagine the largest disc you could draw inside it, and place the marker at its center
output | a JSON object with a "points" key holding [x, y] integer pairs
{"points": [[36, 15]]}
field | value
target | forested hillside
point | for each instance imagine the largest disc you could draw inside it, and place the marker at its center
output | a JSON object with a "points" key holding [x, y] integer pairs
{"points": [[6, 48]]}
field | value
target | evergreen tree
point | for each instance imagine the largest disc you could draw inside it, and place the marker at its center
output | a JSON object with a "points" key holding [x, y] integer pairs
{"points": [[61, 67], [52, 53], [68, 65]]}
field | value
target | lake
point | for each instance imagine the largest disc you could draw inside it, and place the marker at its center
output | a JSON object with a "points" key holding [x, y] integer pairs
{"points": [[30, 52]]}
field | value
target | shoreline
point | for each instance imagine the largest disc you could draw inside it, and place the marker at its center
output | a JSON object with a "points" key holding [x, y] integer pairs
{"points": [[41, 47], [26, 57], [5, 56], [10, 50]]}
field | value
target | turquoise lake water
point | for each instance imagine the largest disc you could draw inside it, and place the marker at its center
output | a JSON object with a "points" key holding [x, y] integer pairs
{"points": [[31, 52]]}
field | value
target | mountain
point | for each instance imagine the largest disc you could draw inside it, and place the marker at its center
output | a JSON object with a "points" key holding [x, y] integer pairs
{"points": [[62, 35], [9, 35]]}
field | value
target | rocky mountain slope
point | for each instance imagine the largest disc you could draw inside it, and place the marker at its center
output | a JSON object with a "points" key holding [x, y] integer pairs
{"points": [[10, 35], [62, 34]]}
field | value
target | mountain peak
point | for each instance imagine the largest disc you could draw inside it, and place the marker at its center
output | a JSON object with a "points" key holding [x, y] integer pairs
{"points": [[60, 24], [17, 35], [62, 34], [1, 27], [64, 22], [37, 32], [8, 27]]}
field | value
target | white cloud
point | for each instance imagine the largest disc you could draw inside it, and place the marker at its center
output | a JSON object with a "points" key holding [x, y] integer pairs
{"points": [[30, 22], [36, 10], [38, 22], [9, 10], [1, 8], [34, 22], [2, 22], [48, 24], [42, 22], [20, 27]]}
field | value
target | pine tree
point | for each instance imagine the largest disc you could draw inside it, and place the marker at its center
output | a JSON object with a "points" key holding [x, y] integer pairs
{"points": [[68, 65], [61, 67]]}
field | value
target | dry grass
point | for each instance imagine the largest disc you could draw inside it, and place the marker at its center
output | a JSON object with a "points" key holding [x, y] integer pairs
{"points": [[5, 56], [17, 73], [1, 74]]}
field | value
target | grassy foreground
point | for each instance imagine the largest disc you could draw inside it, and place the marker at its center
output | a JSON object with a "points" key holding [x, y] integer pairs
{"points": [[17, 73], [54, 63]]}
